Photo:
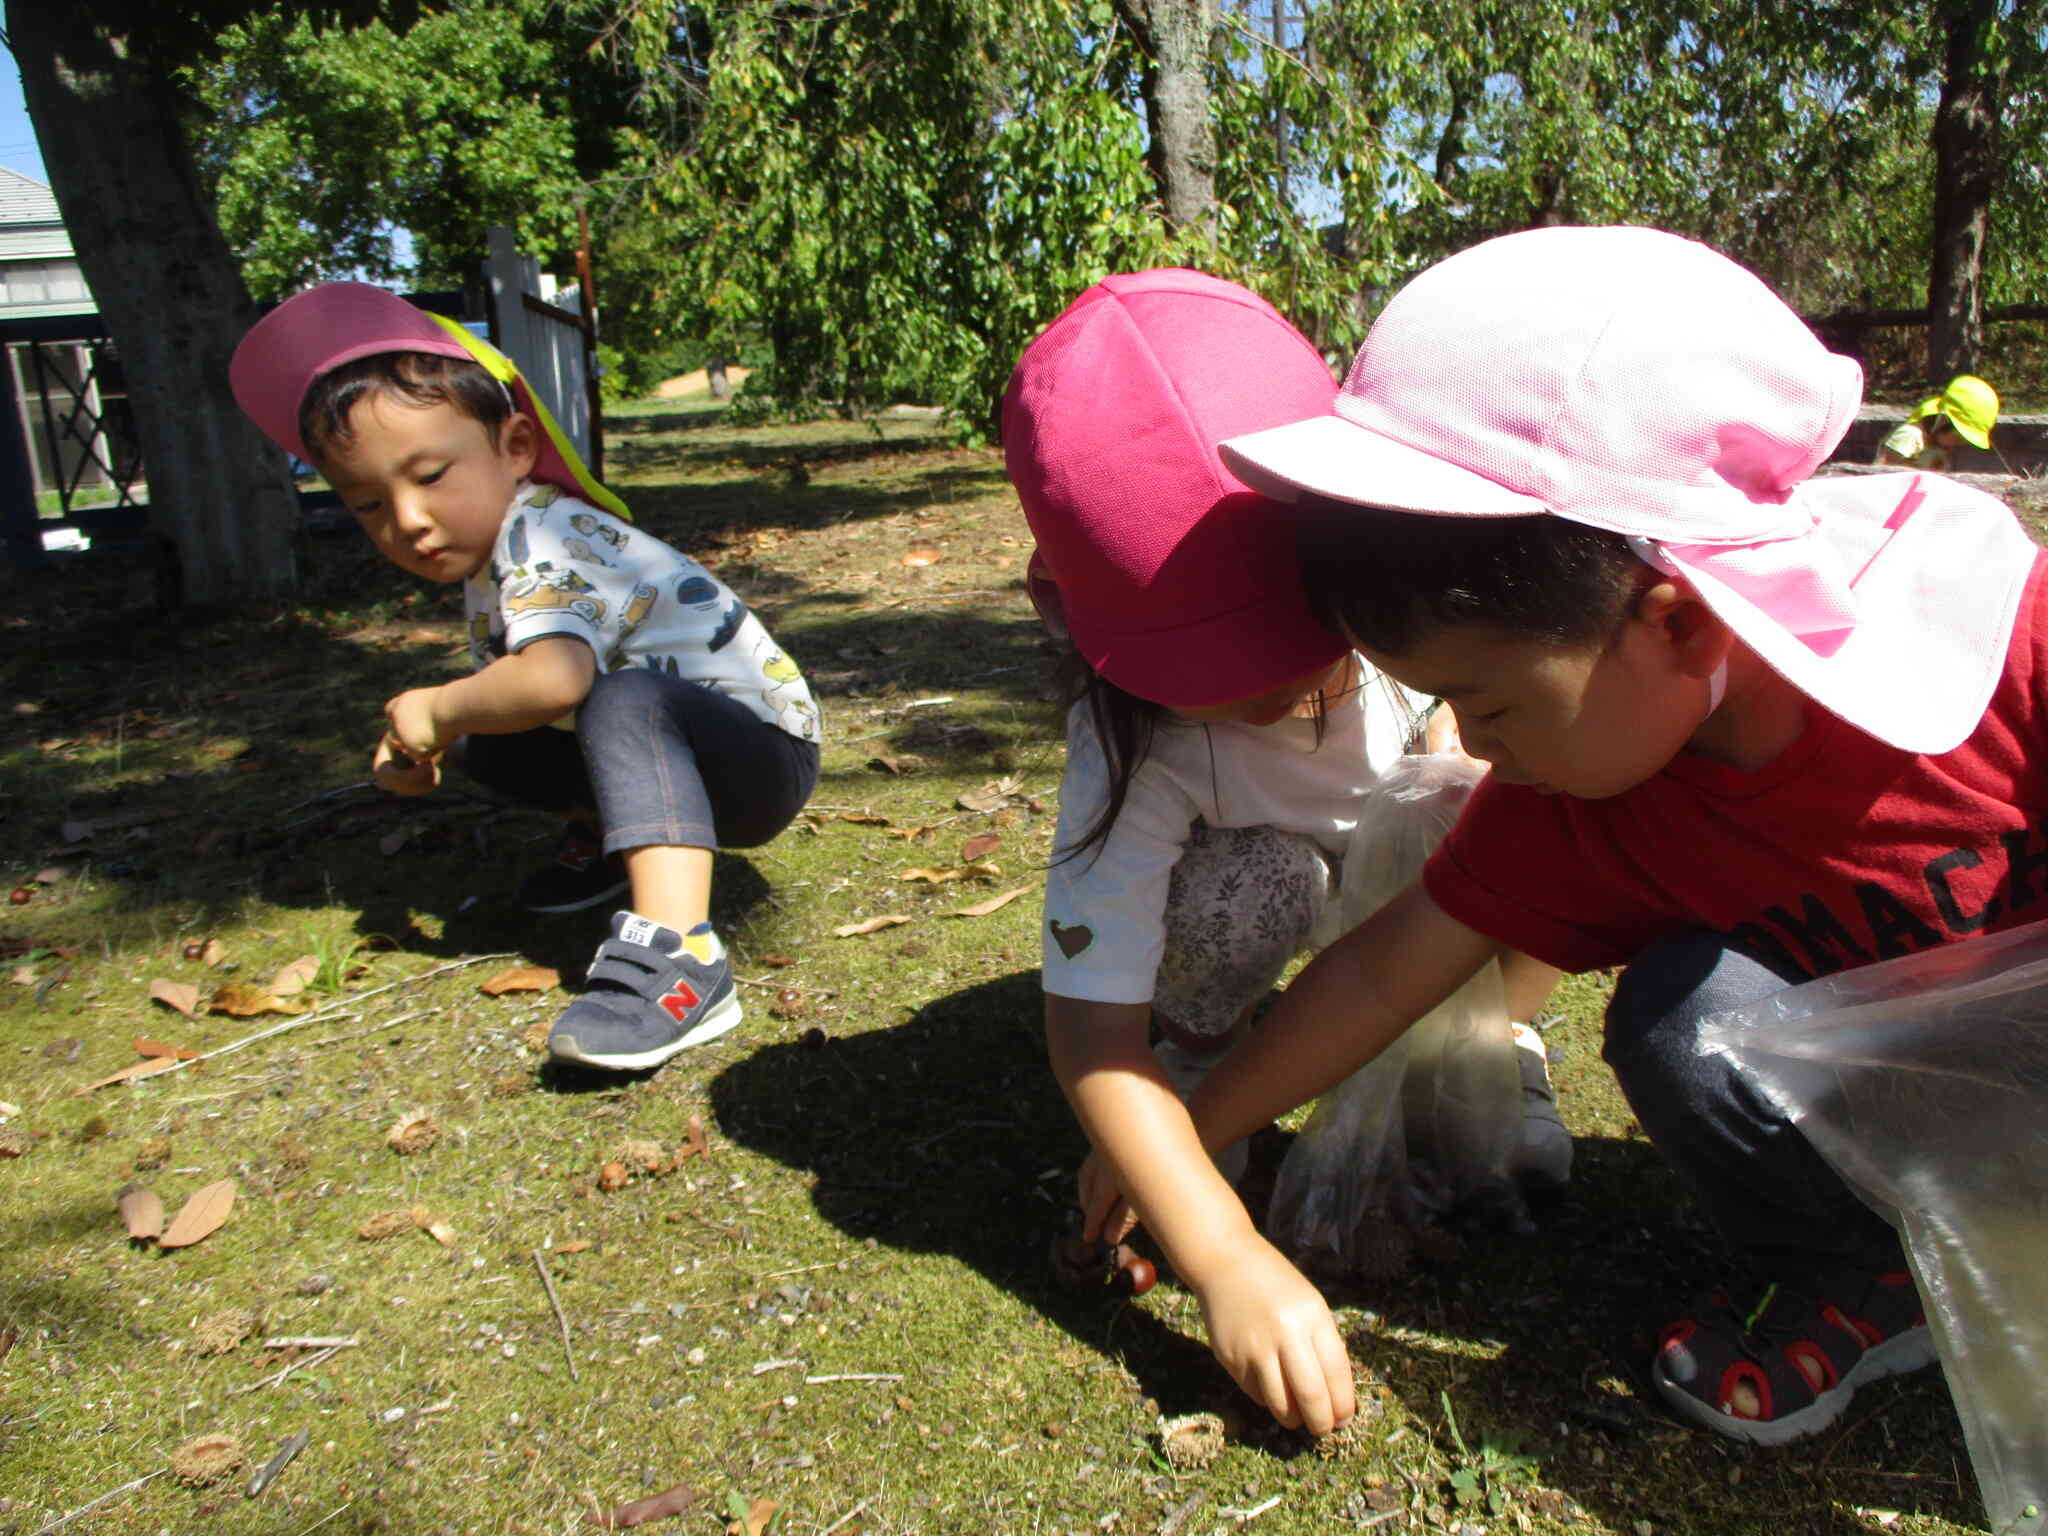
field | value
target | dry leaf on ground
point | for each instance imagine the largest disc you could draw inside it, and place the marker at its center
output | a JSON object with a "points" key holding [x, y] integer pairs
{"points": [[612, 1177], [142, 1211], [200, 1216], [144, 1046], [989, 796], [872, 925], [760, 1515], [574, 1245], [865, 818], [993, 904], [660, 1506], [523, 978], [181, 995], [246, 1002], [147, 1067], [951, 872], [916, 557], [901, 764], [296, 977], [433, 1226], [980, 846]]}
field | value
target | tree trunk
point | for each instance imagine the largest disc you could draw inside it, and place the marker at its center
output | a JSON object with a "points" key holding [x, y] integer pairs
{"points": [[1965, 172], [106, 114], [1177, 36], [714, 375]]}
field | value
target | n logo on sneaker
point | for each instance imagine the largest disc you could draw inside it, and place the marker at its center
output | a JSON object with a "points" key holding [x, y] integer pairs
{"points": [[678, 1000]]}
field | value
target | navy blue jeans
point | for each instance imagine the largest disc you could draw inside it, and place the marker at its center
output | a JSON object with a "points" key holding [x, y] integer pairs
{"points": [[1767, 1192], [663, 762]]}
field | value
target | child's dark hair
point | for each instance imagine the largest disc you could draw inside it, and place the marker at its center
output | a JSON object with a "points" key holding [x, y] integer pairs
{"points": [[421, 378], [1385, 577], [1124, 725]]}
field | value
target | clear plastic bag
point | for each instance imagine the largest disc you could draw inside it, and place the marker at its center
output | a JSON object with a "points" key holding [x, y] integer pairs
{"points": [[1924, 1082], [1428, 1126]]}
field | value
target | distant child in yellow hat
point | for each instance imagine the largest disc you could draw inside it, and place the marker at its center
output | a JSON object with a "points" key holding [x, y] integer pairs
{"points": [[1965, 412]]}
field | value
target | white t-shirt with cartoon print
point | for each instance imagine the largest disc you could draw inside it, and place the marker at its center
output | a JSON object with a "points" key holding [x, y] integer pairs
{"points": [[564, 567], [1105, 909]]}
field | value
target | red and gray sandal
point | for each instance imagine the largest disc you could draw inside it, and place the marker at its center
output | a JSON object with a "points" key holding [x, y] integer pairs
{"points": [[1790, 1338]]}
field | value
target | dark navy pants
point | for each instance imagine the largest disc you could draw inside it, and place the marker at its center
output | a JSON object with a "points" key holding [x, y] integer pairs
{"points": [[1767, 1192], [664, 762]]}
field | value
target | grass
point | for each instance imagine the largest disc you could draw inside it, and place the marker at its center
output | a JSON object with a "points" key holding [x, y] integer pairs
{"points": [[888, 1154]]}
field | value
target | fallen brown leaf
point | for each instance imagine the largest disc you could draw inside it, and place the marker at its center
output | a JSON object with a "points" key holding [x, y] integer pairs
{"points": [[144, 1046], [951, 872], [760, 1515], [916, 557], [523, 978], [296, 977], [181, 995], [212, 952], [980, 846], [908, 834], [698, 1146], [864, 818], [993, 904], [872, 925], [901, 764], [147, 1067], [244, 1001], [433, 1226], [200, 1216], [142, 1211], [612, 1177], [659, 1506], [574, 1245], [989, 796]]}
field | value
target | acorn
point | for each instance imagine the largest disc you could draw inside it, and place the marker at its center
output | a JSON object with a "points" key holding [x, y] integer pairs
{"points": [[1135, 1274], [195, 949], [22, 896]]}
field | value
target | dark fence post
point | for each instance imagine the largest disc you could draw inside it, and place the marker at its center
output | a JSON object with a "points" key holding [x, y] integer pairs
{"points": [[19, 523]]}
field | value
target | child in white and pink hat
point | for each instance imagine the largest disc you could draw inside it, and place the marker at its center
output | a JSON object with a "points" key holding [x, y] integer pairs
{"points": [[1746, 727]]}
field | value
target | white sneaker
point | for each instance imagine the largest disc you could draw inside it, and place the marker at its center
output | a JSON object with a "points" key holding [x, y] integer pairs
{"points": [[1543, 1159], [1185, 1070]]}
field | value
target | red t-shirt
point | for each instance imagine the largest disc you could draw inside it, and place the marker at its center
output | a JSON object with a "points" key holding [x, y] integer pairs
{"points": [[1839, 852]]}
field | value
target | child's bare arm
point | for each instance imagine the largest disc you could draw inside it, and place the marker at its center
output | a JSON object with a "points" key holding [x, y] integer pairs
{"points": [[1349, 1004], [536, 684], [1270, 1328]]}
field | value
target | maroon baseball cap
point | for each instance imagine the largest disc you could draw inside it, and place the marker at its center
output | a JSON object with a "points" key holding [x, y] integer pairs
{"points": [[1175, 582]]}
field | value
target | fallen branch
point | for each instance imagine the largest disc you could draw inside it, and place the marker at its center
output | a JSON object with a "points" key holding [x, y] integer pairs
{"points": [[272, 1380], [812, 1381], [763, 1367], [339, 1005], [863, 1504], [267, 1474], [61, 1521], [305, 1341], [548, 1283]]}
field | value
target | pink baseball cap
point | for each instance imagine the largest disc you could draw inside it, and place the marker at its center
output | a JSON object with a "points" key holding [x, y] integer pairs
{"points": [[1174, 581], [1635, 381], [326, 326]]}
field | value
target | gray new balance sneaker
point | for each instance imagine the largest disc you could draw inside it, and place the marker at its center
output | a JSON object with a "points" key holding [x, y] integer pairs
{"points": [[1543, 1155], [649, 993]]}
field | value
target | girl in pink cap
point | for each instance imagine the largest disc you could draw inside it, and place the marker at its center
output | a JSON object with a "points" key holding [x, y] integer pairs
{"points": [[1218, 743], [1746, 728], [617, 680]]}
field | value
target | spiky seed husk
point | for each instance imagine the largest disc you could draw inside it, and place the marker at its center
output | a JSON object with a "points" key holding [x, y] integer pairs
{"points": [[1191, 1441], [207, 1459], [221, 1332], [414, 1132], [385, 1224], [153, 1153]]}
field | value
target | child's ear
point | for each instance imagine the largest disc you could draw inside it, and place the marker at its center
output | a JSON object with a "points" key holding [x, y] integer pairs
{"points": [[519, 441], [1697, 639]]}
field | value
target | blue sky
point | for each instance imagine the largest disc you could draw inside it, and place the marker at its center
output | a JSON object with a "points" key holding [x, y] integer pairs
{"points": [[18, 151]]}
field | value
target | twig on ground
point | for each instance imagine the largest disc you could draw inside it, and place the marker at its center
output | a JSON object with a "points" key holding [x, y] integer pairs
{"points": [[1247, 1516], [111, 1494], [340, 1005], [1183, 1513], [801, 1269], [863, 1504], [316, 1358], [299, 1341], [267, 1474], [324, 1519], [548, 1283], [374, 1029], [762, 1367], [812, 1381]]}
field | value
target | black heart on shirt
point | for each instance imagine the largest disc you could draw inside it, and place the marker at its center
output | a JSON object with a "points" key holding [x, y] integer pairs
{"points": [[1071, 940]]}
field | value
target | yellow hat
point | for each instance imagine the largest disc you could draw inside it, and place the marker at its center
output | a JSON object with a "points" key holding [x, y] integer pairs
{"points": [[1969, 403]]}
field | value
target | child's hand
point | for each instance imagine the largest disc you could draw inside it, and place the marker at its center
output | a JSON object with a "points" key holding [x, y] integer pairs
{"points": [[1105, 1215], [1272, 1331], [415, 727], [394, 769]]}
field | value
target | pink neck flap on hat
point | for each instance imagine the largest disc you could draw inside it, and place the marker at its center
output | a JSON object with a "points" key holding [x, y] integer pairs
{"points": [[1642, 383]]}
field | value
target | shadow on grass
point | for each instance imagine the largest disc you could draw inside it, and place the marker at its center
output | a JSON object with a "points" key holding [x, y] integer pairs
{"points": [[946, 1134]]}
